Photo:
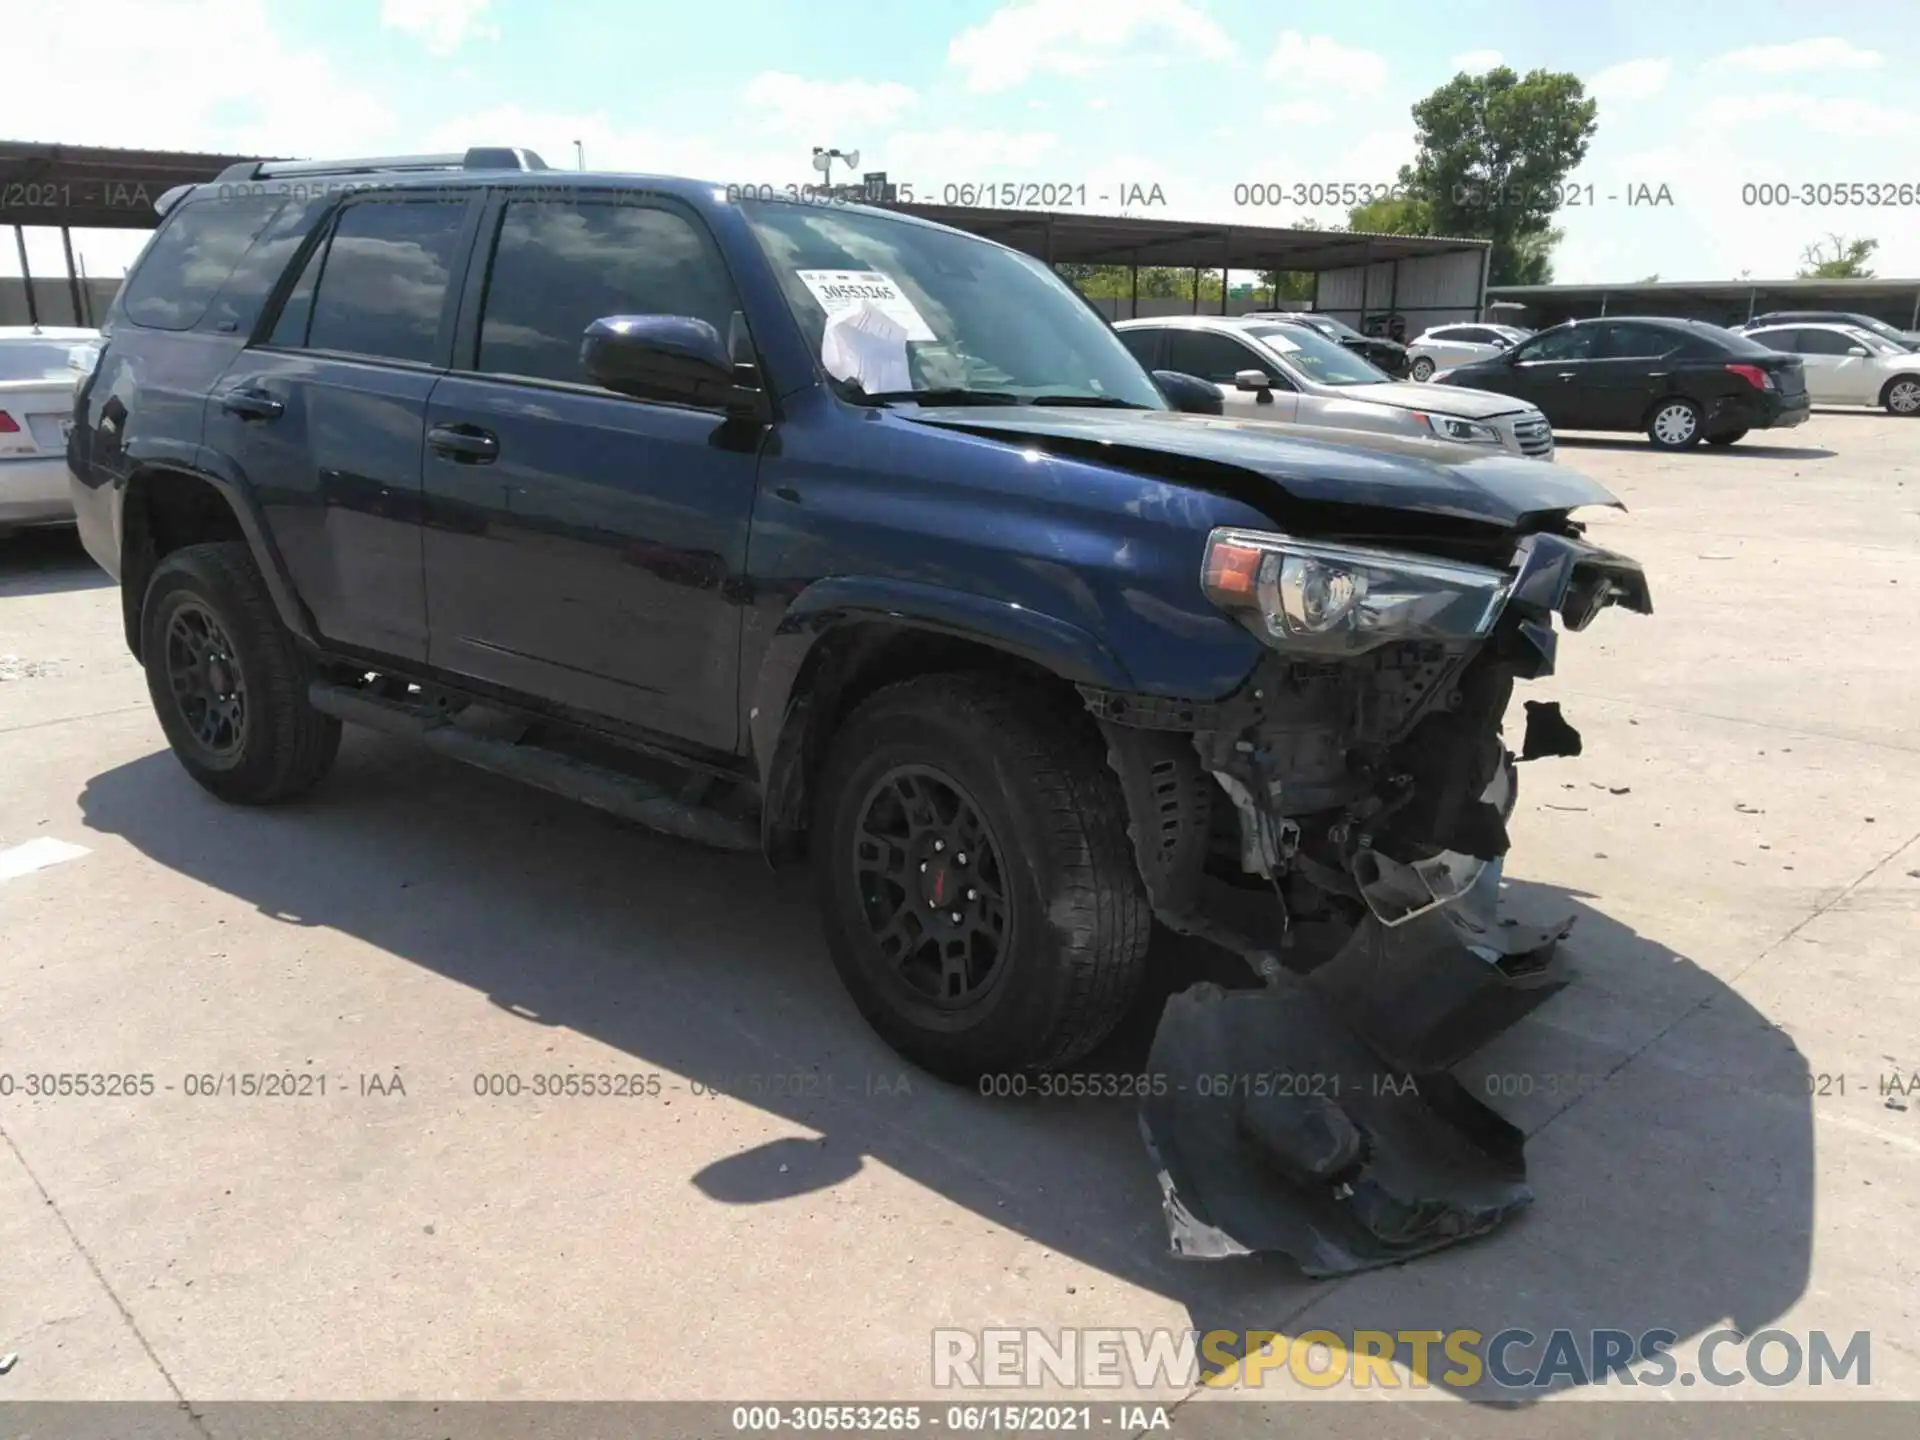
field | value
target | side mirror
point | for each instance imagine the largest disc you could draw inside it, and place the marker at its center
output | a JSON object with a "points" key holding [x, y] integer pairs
{"points": [[1252, 380], [1189, 393], [1857, 350], [660, 357]]}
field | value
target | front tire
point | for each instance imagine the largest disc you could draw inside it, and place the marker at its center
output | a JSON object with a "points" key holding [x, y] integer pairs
{"points": [[227, 681], [1902, 395], [976, 878], [1674, 424], [1423, 369]]}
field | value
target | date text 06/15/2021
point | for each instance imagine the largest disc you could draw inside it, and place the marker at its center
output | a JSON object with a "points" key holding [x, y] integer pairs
{"points": [[964, 194]]}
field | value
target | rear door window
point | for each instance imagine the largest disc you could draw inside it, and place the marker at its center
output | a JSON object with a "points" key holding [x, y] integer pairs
{"points": [[192, 256], [1144, 345], [383, 283], [1624, 340]]}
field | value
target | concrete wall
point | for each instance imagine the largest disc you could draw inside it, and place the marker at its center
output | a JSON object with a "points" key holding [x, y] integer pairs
{"points": [[55, 301]]}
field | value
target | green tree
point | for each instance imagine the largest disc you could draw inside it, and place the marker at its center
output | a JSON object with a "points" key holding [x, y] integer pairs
{"points": [[1848, 260], [1494, 152], [1387, 216]]}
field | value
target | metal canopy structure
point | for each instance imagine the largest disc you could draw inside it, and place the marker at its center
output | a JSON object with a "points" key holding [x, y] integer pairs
{"points": [[1074, 238], [1721, 301], [64, 187], [68, 186]]}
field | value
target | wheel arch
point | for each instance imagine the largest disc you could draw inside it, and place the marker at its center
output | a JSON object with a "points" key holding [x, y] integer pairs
{"points": [[841, 640], [1886, 390], [167, 507]]}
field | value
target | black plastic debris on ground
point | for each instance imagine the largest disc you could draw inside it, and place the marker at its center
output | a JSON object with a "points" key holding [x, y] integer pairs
{"points": [[1318, 1118]]}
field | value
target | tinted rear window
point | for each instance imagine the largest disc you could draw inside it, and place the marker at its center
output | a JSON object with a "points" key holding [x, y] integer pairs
{"points": [[1714, 340], [192, 256]]}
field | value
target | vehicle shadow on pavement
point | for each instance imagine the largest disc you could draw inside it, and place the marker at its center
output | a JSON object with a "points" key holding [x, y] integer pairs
{"points": [[1674, 1190], [1738, 448], [47, 562]]}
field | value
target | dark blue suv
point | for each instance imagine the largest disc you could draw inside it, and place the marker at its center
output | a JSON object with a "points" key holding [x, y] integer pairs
{"points": [[820, 529]]}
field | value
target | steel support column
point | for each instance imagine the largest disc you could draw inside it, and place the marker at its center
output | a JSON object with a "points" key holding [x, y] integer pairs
{"points": [[26, 274]]}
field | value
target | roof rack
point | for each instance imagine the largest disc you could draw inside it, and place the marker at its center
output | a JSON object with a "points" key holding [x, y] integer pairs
{"points": [[479, 157]]}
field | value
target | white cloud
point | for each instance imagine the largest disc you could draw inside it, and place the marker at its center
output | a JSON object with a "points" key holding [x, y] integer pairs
{"points": [[1099, 102], [1829, 52], [266, 97], [1846, 118], [1631, 80], [1476, 61], [1298, 112], [833, 112], [1077, 37], [929, 158], [441, 25], [1323, 61]]}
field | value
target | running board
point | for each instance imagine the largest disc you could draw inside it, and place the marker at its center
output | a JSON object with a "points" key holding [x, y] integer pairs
{"points": [[596, 785]]}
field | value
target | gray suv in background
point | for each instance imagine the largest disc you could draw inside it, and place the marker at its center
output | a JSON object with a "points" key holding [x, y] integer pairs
{"points": [[1267, 370]]}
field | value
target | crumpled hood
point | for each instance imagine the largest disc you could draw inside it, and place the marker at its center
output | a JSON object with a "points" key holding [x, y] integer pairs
{"points": [[1498, 489]]}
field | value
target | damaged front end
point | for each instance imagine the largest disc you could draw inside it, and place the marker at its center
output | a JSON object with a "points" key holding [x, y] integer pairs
{"points": [[1340, 824]]}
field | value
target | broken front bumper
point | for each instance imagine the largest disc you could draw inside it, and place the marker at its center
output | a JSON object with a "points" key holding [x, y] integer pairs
{"points": [[1367, 801]]}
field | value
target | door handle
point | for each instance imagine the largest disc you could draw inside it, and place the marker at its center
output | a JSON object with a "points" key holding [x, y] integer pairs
{"points": [[251, 404], [1659, 374], [468, 444], [1565, 375]]}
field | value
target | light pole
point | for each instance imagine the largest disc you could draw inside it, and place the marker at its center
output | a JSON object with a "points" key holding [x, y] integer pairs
{"points": [[823, 159], [579, 156]]}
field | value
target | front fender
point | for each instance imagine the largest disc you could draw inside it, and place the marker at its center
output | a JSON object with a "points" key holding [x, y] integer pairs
{"points": [[1068, 650]]}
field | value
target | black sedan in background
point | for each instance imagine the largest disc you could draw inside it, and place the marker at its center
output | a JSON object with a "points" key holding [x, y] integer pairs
{"points": [[1382, 353], [1680, 381]]}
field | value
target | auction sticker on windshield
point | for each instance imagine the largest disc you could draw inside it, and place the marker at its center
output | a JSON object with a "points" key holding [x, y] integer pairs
{"points": [[838, 290]]}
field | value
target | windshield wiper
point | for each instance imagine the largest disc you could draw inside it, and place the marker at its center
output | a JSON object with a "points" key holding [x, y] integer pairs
{"points": [[1095, 402], [956, 396]]}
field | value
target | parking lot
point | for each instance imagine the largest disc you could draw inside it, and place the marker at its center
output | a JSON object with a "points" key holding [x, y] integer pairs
{"points": [[1721, 1133]]}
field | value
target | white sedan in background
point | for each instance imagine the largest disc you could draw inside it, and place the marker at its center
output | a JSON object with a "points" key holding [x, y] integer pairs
{"points": [[40, 366], [1846, 365], [1445, 346]]}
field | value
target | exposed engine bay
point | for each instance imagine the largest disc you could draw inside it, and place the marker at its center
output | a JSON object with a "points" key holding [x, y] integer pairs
{"points": [[1340, 824]]}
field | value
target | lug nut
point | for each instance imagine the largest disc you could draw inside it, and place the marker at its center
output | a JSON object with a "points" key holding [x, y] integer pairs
{"points": [[923, 867], [939, 845], [961, 857], [956, 917], [973, 894]]}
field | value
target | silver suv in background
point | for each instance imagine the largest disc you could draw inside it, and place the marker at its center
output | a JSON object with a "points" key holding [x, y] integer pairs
{"points": [[1267, 370]]}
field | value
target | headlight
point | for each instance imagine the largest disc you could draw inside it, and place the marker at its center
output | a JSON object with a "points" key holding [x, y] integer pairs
{"points": [[1345, 599], [1452, 427]]}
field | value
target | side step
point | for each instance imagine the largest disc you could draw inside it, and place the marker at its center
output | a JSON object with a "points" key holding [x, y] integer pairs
{"points": [[596, 785]]}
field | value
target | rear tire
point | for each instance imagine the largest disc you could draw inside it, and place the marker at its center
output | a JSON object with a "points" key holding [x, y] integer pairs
{"points": [[1675, 424], [1726, 437], [1019, 957], [1423, 369], [228, 682], [1902, 395]]}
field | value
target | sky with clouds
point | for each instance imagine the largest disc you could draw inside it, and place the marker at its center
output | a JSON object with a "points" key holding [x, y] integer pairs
{"points": [[1195, 96]]}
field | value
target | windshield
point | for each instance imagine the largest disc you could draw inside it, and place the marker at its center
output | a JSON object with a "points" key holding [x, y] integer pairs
{"points": [[1317, 357], [939, 311], [1513, 333]]}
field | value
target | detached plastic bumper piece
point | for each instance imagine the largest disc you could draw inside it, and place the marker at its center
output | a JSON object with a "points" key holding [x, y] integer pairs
{"points": [[1318, 1118]]}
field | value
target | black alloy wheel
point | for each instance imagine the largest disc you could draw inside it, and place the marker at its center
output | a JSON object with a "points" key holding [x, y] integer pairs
{"points": [[208, 686]]}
